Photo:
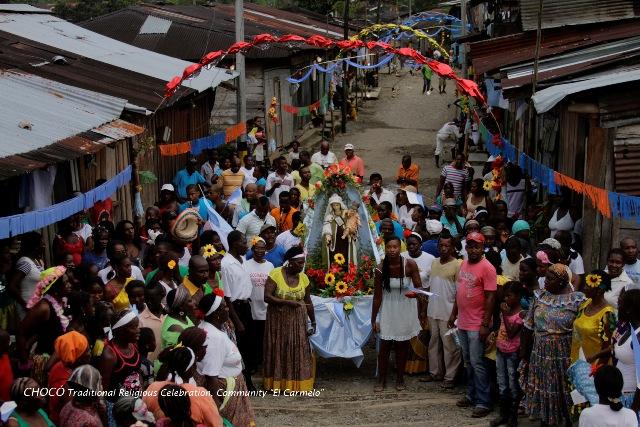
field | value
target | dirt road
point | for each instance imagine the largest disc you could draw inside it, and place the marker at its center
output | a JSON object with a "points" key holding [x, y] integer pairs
{"points": [[386, 129]]}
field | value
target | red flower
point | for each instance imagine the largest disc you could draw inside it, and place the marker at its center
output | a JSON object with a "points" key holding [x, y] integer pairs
{"points": [[353, 269], [366, 275], [335, 269], [406, 233], [219, 292], [366, 198], [365, 258], [358, 180]]}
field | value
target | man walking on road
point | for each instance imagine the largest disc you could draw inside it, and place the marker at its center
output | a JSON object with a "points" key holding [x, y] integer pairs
{"points": [[449, 133], [354, 162], [475, 296], [427, 73], [324, 157]]}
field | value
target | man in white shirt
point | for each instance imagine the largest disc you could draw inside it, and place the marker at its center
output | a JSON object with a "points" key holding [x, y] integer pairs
{"points": [[631, 263], [288, 239], [278, 181], [449, 133], [324, 157], [251, 224], [247, 170], [378, 193], [620, 281], [210, 168], [238, 288]]}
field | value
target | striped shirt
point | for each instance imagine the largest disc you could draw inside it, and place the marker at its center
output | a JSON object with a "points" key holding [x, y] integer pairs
{"points": [[457, 177]]}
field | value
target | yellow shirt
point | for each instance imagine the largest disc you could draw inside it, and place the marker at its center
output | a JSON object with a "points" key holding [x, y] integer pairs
{"points": [[285, 291], [306, 193], [590, 332]]}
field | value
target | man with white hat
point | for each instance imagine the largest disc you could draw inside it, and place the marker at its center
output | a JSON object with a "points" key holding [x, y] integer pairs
{"points": [[354, 162]]}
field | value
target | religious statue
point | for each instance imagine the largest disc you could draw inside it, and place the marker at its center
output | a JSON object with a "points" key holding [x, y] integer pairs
{"points": [[340, 232]]}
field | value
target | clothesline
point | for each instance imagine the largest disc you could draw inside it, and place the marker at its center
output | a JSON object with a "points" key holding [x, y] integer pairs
{"points": [[197, 146], [320, 104], [29, 221], [334, 64]]}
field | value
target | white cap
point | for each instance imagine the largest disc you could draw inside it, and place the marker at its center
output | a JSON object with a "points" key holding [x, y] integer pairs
{"points": [[167, 187], [348, 147], [434, 226]]}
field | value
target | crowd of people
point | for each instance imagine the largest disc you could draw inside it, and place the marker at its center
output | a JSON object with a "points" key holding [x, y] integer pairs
{"points": [[166, 321]]}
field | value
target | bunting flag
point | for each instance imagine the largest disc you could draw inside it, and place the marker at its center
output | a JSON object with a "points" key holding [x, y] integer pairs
{"points": [[608, 203], [320, 104], [468, 87], [197, 146], [29, 221]]}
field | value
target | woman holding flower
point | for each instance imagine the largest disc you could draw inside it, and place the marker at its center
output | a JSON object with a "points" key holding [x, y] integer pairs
{"points": [[288, 362], [394, 316]]}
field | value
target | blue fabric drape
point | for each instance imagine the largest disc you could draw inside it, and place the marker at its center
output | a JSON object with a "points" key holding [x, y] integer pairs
{"points": [[30, 221]]}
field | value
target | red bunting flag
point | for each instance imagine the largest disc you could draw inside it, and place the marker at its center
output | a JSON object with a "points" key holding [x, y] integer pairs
{"points": [[172, 86], [291, 38], [191, 71], [319, 41], [263, 38], [211, 56], [237, 47]]}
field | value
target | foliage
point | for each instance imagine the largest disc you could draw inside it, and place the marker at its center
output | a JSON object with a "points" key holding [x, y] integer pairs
{"points": [[147, 177], [342, 280]]}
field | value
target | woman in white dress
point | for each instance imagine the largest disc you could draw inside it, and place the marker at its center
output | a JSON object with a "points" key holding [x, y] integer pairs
{"points": [[398, 319]]}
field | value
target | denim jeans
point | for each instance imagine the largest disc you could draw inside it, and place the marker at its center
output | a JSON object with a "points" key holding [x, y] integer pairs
{"points": [[507, 370], [478, 383]]}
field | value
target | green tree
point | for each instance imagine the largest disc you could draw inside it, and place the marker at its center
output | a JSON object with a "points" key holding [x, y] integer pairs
{"points": [[87, 9]]}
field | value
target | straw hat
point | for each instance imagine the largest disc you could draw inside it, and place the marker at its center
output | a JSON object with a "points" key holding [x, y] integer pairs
{"points": [[185, 227]]}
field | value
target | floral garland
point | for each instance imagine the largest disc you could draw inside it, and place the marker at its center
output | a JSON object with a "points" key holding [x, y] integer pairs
{"points": [[59, 310]]}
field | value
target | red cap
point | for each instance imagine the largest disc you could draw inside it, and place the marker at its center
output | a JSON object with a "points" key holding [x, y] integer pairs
{"points": [[475, 237]]}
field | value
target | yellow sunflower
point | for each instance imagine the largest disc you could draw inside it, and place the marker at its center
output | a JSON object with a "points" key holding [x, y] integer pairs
{"points": [[348, 306], [171, 264], [329, 279], [208, 250], [487, 186], [593, 280], [339, 259], [341, 287]]}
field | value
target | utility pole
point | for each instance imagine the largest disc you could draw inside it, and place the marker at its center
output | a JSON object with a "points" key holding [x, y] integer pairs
{"points": [[378, 11], [241, 102], [344, 70], [463, 54]]}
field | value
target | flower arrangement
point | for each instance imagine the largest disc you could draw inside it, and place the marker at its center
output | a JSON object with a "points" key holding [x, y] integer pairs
{"points": [[337, 177], [342, 279], [497, 172]]}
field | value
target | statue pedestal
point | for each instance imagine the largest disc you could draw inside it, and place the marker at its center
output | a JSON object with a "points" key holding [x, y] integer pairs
{"points": [[339, 334]]}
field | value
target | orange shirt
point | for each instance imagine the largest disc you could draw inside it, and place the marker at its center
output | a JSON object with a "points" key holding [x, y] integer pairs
{"points": [[355, 163], [283, 222], [412, 173], [203, 408]]}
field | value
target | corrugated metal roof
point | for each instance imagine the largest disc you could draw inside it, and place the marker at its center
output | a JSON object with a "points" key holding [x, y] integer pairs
{"points": [[43, 122], [546, 99], [57, 33], [572, 62], [196, 30], [560, 13], [489, 55], [22, 8]]}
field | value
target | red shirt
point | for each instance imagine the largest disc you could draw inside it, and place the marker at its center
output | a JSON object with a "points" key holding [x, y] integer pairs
{"points": [[58, 377], [6, 377], [355, 163], [471, 283]]}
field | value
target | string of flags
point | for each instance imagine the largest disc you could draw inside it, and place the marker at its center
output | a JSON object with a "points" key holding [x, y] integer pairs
{"points": [[608, 203], [210, 59], [320, 104], [197, 146]]}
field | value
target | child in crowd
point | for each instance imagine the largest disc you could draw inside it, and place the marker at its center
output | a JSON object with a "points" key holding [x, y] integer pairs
{"points": [[507, 357], [609, 412], [135, 292]]}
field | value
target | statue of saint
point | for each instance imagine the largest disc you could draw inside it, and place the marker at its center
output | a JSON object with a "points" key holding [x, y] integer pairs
{"points": [[340, 232]]}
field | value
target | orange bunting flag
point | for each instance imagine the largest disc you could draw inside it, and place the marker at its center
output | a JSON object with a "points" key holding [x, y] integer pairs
{"points": [[599, 197], [175, 149], [235, 131]]}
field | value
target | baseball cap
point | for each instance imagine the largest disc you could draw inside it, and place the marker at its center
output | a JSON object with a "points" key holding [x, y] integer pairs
{"points": [[348, 147], [266, 226], [475, 237], [434, 208], [167, 187]]}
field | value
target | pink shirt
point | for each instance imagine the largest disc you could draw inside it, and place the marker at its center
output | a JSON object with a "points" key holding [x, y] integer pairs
{"points": [[473, 280], [503, 343], [355, 163]]}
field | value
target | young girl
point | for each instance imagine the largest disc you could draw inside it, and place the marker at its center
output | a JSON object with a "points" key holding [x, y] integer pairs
{"points": [[609, 412], [507, 356]]}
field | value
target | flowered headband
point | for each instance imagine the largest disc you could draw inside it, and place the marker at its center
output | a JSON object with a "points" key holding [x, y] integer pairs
{"points": [[593, 280], [47, 279], [209, 251], [255, 240]]}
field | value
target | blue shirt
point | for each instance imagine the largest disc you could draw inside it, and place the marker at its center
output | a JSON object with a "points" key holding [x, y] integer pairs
{"points": [[275, 256], [431, 247], [183, 179], [452, 226], [397, 229], [202, 208]]}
